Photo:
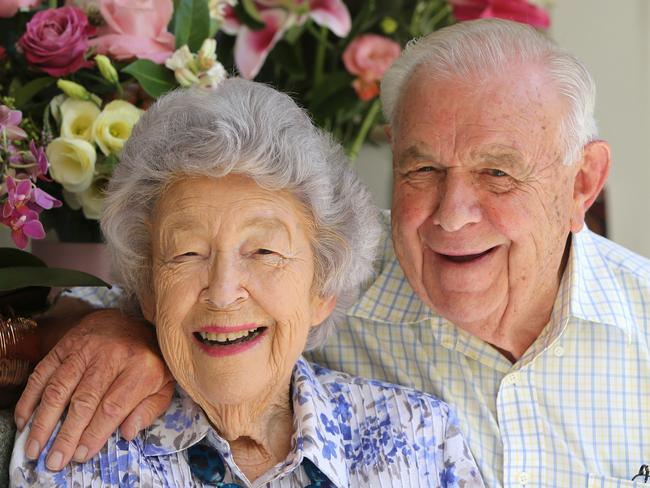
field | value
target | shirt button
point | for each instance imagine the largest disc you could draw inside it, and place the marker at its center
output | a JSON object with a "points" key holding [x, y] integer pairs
{"points": [[512, 379], [523, 477], [558, 351]]}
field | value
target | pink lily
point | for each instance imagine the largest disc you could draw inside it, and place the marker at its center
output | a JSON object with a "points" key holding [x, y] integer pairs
{"points": [[252, 47]]}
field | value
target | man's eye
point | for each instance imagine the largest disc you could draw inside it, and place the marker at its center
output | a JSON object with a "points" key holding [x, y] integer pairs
{"points": [[425, 169], [264, 252], [496, 172]]}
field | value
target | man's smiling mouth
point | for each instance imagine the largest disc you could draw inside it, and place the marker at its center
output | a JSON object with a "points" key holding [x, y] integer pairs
{"points": [[466, 258]]}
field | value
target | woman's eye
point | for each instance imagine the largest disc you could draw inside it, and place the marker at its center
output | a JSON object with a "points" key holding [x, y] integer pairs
{"points": [[425, 169], [497, 173], [185, 255], [264, 252]]}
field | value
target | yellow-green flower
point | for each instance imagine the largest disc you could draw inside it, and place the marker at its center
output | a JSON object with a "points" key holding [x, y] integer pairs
{"points": [[92, 198], [72, 163], [114, 124], [77, 118]]}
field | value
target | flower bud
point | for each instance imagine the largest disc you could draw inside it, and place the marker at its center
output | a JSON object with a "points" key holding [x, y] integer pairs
{"points": [[388, 25], [75, 90], [185, 77], [207, 54], [106, 69]]}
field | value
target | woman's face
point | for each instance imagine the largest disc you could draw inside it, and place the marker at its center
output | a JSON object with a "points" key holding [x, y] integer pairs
{"points": [[232, 287]]}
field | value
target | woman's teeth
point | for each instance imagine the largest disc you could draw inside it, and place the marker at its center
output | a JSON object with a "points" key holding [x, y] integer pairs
{"points": [[212, 339]]}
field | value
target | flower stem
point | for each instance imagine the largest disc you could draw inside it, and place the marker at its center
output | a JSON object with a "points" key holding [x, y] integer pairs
{"points": [[52, 4], [319, 61], [367, 124]]}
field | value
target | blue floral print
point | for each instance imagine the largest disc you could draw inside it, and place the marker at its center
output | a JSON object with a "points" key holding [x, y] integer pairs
{"points": [[348, 432]]}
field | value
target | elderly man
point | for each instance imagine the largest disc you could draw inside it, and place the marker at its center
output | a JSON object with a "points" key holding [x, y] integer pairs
{"points": [[492, 295]]}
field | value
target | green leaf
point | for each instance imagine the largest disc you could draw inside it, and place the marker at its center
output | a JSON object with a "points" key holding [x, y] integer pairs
{"points": [[154, 78], [192, 23], [248, 14], [251, 9], [10, 256], [26, 92], [14, 277]]}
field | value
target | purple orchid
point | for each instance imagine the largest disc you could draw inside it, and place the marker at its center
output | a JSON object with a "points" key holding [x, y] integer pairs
{"points": [[23, 226], [9, 123], [39, 170], [44, 200]]}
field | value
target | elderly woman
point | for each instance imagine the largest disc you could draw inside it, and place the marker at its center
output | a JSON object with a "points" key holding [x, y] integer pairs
{"points": [[238, 229]]}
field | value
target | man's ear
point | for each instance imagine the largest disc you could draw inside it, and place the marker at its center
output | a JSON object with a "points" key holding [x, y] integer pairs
{"points": [[321, 309], [589, 180], [388, 130]]}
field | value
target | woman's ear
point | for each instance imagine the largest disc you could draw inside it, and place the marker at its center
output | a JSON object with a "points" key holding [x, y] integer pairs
{"points": [[589, 181], [321, 309], [148, 307]]}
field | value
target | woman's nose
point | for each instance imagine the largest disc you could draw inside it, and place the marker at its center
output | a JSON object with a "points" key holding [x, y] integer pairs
{"points": [[458, 203], [225, 287]]}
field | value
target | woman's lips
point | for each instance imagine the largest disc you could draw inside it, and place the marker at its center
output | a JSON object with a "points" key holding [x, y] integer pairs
{"points": [[236, 340]]}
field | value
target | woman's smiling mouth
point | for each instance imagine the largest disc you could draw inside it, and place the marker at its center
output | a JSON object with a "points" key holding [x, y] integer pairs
{"points": [[226, 339]]}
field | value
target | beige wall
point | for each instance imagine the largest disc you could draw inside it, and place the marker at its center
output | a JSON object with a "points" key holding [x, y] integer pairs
{"points": [[613, 39]]}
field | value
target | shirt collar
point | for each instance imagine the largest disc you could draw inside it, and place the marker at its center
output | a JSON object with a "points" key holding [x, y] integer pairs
{"points": [[596, 294], [315, 435]]}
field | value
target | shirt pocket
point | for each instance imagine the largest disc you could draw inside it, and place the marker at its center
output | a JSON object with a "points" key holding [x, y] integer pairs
{"points": [[597, 481]]}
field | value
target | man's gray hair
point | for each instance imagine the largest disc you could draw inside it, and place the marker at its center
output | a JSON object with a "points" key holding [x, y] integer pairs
{"points": [[476, 50], [250, 129]]}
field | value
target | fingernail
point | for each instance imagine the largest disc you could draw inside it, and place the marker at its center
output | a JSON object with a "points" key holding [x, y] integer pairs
{"points": [[20, 423], [80, 454], [54, 460], [32, 449]]}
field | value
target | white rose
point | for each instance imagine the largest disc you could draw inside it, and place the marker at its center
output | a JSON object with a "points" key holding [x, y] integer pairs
{"points": [[77, 118], [114, 124], [72, 163], [92, 199]]}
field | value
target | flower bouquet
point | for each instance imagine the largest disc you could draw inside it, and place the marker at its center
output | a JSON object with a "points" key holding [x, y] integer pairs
{"points": [[81, 72]]}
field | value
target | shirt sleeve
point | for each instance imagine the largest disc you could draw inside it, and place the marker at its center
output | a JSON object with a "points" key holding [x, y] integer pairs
{"points": [[459, 468], [97, 297]]}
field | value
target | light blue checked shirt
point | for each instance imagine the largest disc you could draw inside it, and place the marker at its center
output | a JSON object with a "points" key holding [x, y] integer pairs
{"points": [[574, 411]]}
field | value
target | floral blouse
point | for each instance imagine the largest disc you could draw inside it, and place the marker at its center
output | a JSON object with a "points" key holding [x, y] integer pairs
{"points": [[348, 432]]}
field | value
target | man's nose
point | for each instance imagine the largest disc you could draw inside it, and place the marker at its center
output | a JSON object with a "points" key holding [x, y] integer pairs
{"points": [[225, 287], [458, 205]]}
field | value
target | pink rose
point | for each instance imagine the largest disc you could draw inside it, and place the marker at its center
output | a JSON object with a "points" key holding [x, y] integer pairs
{"points": [[368, 57], [517, 10], [8, 8], [56, 40], [136, 28]]}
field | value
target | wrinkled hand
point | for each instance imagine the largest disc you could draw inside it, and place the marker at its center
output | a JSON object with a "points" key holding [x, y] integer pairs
{"points": [[110, 372]]}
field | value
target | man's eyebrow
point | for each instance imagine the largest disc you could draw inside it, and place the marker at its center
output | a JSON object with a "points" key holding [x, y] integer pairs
{"points": [[414, 152], [506, 157]]}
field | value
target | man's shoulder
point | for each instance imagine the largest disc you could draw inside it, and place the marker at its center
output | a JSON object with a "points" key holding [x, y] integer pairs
{"points": [[599, 252]]}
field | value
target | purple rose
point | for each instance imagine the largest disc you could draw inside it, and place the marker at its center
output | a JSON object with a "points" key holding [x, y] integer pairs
{"points": [[56, 40]]}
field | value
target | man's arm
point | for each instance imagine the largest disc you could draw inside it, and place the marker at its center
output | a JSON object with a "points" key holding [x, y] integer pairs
{"points": [[106, 369]]}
